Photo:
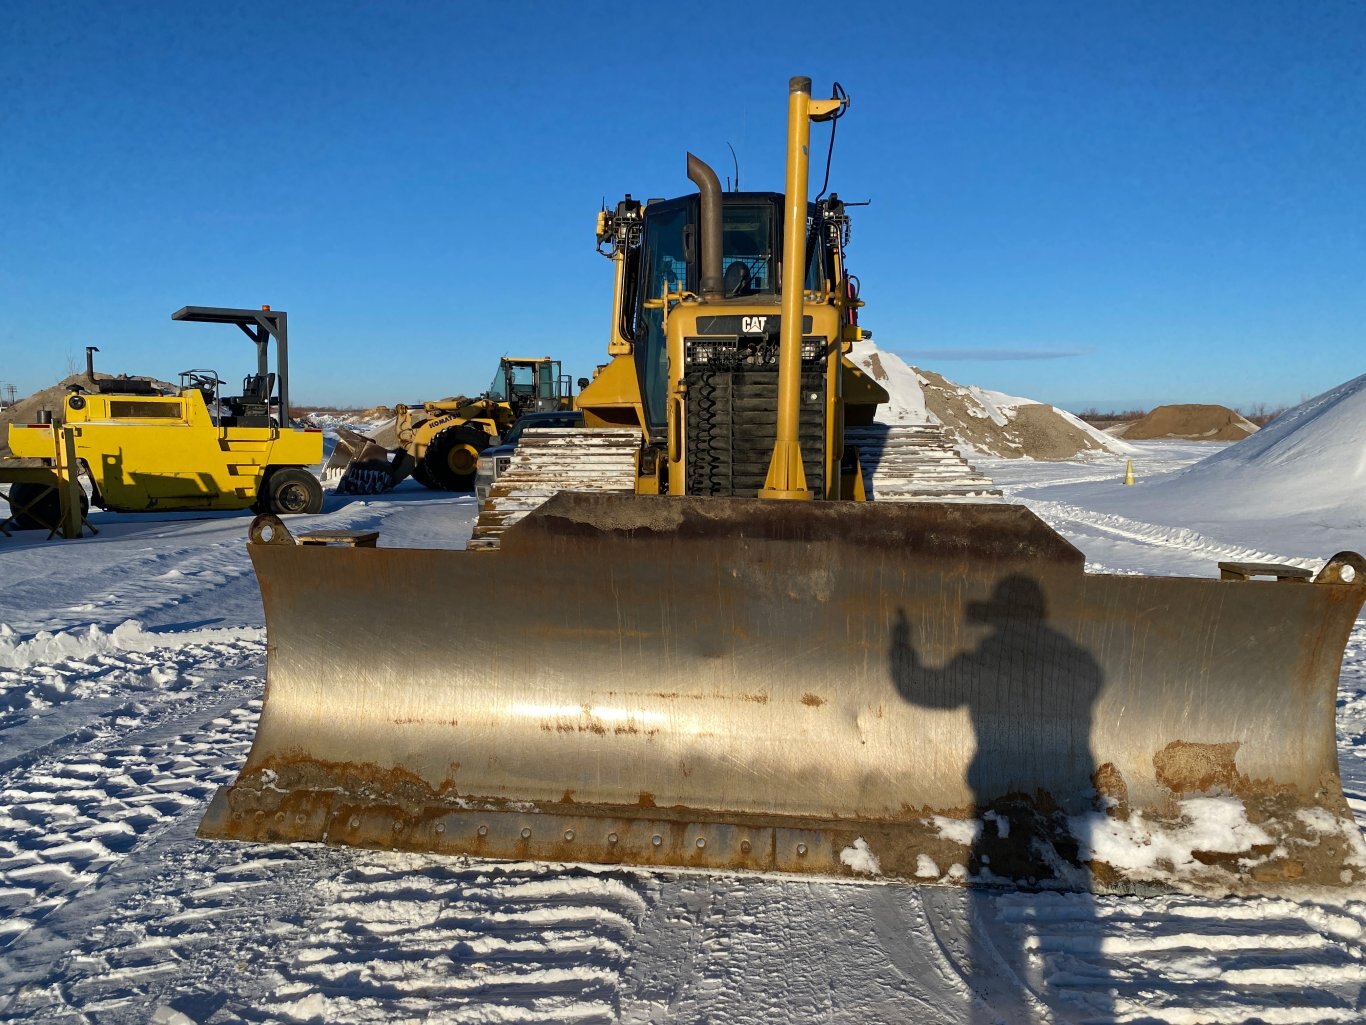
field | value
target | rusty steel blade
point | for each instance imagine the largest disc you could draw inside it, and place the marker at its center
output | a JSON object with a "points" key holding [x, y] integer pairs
{"points": [[737, 684]]}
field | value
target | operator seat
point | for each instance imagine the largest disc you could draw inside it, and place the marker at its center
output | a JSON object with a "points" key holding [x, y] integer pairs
{"points": [[252, 407], [737, 280]]}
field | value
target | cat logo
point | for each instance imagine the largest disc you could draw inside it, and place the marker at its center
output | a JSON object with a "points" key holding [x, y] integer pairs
{"points": [[753, 325]]}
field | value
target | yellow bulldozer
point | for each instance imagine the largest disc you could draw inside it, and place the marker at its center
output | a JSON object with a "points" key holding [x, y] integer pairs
{"points": [[438, 443], [758, 655], [199, 448]]}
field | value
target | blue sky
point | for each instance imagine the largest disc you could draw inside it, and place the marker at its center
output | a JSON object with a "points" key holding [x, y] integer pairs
{"points": [[1094, 204]]}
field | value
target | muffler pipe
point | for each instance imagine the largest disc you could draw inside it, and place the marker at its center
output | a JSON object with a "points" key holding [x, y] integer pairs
{"points": [[709, 186], [90, 351]]}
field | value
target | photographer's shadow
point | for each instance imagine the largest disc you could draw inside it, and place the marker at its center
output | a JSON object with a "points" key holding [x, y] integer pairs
{"points": [[1030, 692]]}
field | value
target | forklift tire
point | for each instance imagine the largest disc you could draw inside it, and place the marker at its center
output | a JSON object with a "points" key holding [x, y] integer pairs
{"points": [[289, 490], [38, 507], [452, 458]]}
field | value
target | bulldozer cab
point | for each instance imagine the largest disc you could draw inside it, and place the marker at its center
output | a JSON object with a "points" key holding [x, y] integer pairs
{"points": [[530, 385], [697, 338], [667, 263]]}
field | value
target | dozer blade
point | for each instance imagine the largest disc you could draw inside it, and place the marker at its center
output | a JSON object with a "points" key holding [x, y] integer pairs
{"points": [[924, 691], [364, 465]]}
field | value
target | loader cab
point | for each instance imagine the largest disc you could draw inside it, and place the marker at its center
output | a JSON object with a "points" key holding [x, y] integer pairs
{"points": [[530, 385], [667, 262]]}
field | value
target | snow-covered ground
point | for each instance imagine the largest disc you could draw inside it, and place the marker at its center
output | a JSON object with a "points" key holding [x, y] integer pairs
{"points": [[130, 677]]}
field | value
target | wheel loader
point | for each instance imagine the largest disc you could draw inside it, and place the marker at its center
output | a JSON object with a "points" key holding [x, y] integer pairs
{"points": [[200, 448], [438, 443], [744, 659]]}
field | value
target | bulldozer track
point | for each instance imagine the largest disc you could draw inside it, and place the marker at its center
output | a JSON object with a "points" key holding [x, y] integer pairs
{"points": [[915, 463], [900, 463], [550, 461]]}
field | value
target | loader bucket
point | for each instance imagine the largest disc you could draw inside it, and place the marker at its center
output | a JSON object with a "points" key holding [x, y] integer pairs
{"points": [[364, 465], [920, 691]]}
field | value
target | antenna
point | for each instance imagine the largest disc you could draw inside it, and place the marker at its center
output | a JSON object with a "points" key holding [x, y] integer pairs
{"points": [[736, 161]]}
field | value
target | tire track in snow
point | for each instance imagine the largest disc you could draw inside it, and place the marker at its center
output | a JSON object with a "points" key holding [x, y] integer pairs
{"points": [[1077, 524], [179, 928], [164, 578], [57, 687], [1011, 490], [71, 816], [406, 936], [1182, 960], [749, 950], [942, 955], [1351, 723], [151, 575]]}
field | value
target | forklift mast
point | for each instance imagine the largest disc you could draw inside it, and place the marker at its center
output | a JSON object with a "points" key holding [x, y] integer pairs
{"points": [[260, 326]]}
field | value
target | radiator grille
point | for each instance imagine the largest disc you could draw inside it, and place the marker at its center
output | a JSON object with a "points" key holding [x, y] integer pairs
{"points": [[732, 413]]}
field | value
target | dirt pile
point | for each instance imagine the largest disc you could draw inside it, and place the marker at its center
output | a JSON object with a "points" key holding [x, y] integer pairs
{"points": [[1033, 430], [26, 410], [1193, 422], [984, 421]]}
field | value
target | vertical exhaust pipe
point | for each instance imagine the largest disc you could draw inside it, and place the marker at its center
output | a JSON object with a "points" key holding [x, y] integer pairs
{"points": [[90, 351], [709, 186]]}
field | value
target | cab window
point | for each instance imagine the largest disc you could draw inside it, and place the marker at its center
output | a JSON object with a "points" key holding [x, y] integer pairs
{"points": [[748, 263], [663, 266]]}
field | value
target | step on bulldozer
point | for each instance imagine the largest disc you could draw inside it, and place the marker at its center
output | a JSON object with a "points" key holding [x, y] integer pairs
{"points": [[438, 443], [748, 660], [199, 448]]}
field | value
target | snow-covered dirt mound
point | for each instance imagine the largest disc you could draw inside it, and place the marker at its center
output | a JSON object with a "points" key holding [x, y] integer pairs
{"points": [[986, 422], [1308, 461], [363, 421], [1194, 422]]}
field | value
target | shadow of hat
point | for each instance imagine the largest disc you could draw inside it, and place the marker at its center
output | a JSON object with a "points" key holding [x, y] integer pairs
{"points": [[1014, 598]]}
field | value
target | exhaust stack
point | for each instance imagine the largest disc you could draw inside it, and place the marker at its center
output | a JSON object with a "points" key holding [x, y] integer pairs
{"points": [[709, 186]]}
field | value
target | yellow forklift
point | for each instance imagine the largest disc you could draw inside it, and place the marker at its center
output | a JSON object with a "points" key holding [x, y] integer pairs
{"points": [[198, 448]]}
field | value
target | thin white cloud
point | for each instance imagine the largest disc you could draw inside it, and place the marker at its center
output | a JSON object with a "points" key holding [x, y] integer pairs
{"points": [[988, 355]]}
